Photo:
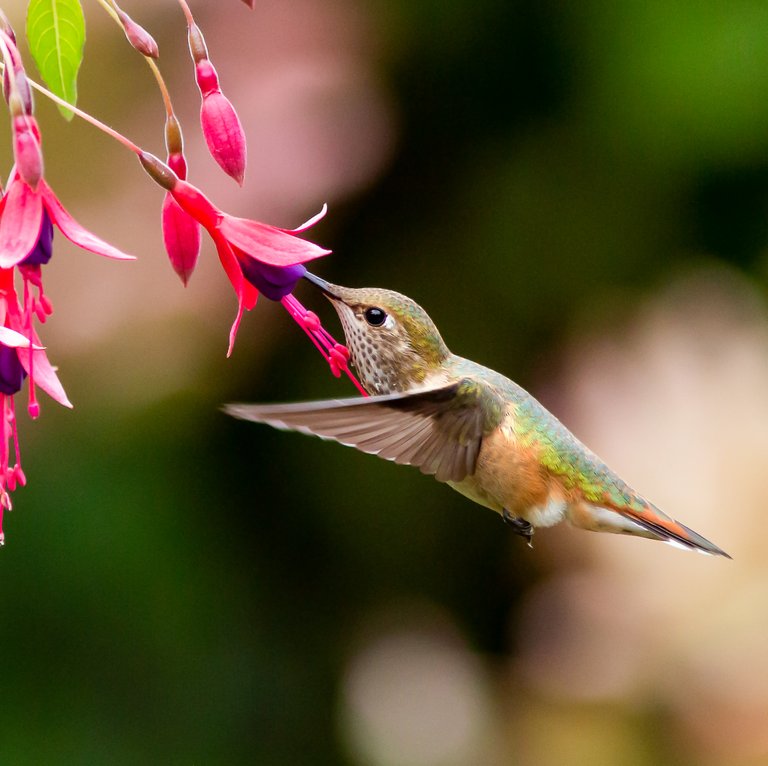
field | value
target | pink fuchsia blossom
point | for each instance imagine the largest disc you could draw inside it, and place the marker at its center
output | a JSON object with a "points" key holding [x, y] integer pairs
{"points": [[257, 258], [244, 246], [27, 217], [222, 129], [23, 209], [21, 356]]}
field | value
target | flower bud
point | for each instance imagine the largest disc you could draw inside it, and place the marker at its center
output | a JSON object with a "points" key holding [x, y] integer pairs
{"points": [[26, 149], [137, 36], [5, 26], [250, 3], [223, 132]]}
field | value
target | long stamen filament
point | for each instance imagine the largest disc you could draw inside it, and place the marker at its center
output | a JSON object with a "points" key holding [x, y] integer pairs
{"points": [[334, 353]]}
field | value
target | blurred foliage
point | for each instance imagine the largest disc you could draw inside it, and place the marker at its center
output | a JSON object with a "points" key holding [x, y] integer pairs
{"points": [[181, 588]]}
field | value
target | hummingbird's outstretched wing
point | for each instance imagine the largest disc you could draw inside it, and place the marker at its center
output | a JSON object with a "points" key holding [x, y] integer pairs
{"points": [[439, 430]]}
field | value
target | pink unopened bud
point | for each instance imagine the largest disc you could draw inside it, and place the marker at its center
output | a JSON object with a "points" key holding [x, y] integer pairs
{"points": [[250, 3], [26, 150], [181, 236], [224, 134], [137, 36], [15, 70]]}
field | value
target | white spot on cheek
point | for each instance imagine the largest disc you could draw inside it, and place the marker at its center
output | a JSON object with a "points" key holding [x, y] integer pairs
{"points": [[389, 322]]}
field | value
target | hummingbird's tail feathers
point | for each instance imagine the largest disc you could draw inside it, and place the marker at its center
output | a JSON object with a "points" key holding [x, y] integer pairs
{"points": [[647, 522], [670, 531]]}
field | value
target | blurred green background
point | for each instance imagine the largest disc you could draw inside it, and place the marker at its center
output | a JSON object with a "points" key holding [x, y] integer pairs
{"points": [[578, 194]]}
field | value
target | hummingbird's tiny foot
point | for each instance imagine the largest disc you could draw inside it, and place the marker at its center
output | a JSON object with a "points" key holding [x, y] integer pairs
{"points": [[519, 525]]}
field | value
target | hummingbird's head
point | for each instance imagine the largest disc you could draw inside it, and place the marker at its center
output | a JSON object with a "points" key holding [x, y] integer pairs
{"points": [[393, 343]]}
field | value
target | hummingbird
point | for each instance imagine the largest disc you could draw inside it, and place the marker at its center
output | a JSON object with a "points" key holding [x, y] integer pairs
{"points": [[466, 425]]}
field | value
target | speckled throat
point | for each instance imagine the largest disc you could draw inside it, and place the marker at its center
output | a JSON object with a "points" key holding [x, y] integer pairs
{"points": [[383, 366]]}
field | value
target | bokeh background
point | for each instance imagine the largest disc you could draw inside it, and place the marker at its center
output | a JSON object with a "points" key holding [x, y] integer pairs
{"points": [[578, 194]]}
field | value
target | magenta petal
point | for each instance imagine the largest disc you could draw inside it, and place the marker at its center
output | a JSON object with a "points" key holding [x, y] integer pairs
{"points": [[76, 233], [20, 224], [44, 375], [246, 292], [181, 236], [268, 244]]}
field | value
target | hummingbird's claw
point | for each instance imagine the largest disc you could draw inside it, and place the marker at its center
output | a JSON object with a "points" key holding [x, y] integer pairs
{"points": [[520, 526]]}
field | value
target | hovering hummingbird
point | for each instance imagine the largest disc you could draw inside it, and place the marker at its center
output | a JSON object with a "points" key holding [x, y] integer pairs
{"points": [[466, 425]]}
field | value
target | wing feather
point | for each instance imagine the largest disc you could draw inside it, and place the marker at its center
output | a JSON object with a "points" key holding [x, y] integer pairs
{"points": [[439, 430]]}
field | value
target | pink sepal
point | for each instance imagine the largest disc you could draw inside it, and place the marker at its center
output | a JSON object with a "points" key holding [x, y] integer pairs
{"points": [[76, 233], [44, 375], [246, 293], [20, 224], [191, 200], [268, 244], [181, 236], [312, 221], [13, 339]]}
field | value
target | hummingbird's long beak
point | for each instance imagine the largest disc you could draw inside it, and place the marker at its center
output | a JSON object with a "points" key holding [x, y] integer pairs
{"points": [[325, 287]]}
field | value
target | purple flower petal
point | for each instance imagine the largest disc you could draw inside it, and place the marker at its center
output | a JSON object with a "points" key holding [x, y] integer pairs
{"points": [[273, 281], [43, 250], [12, 374]]}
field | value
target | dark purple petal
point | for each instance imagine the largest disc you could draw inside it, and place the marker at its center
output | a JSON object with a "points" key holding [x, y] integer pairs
{"points": [[43, 250], [12, 374], [273, 281]]}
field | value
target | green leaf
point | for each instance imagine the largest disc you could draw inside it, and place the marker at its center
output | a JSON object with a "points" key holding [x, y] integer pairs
{"points": [[56, 35]]}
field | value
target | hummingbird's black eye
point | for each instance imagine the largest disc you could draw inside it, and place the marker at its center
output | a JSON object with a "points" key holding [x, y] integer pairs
{"points": [[375, 316]]}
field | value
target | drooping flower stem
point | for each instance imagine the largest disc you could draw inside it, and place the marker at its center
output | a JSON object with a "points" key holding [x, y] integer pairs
{"points": [[187, 12]]}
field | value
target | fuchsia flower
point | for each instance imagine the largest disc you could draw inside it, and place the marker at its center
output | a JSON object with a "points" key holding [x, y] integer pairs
{"points": [[21, 355], [222, 129], [23, 211], [256, 257], [28, 212]]}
